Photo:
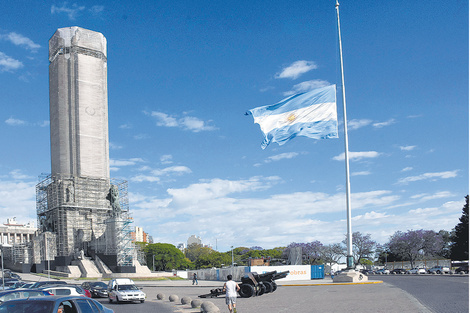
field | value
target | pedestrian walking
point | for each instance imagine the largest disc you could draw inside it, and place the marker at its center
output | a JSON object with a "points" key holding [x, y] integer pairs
{"points": [[195, 279], [231, 288]]}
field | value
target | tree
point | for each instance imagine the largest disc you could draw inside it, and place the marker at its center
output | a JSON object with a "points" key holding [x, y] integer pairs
{"points": [[194, 251], [332, 253], [459, 247], [213, 259], [166, 257], [311, 251], [363, 246], [415, 243]]}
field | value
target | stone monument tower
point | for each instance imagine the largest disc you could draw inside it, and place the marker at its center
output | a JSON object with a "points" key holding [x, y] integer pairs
{"points": [[78, 204], [78, 103]]}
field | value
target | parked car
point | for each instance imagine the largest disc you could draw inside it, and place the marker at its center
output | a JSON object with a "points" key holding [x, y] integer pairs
{"points": [[96, 288], [21, 294], [63, 290], [417, 270], [8, 284], [40, 284], [18, 284], [439, 270], [124, 289], [51, 304], [383, 271], [27, 285], [462, 270], [398, 271]]}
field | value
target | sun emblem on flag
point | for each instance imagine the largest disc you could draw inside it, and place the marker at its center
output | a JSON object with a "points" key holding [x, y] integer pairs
{"points": [[291, 118]]}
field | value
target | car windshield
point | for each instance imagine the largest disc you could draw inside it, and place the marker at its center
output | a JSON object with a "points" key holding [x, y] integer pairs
{"points": [[27, 307], [127, 287], [99, 285]]}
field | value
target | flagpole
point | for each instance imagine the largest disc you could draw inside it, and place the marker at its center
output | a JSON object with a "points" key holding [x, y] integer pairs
{"points": [[349, 257]]}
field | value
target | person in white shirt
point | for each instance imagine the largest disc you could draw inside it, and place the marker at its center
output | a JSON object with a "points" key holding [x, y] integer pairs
{"points": [[231, 288]]}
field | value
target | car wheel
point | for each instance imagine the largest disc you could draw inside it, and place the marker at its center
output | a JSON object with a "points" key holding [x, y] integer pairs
{"points": [[142, 301], [110, 300], [439, 272]]}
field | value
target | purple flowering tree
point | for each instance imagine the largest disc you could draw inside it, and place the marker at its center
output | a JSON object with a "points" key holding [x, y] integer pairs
{"points": [[363, 246], [311, 251], [415, 244]]}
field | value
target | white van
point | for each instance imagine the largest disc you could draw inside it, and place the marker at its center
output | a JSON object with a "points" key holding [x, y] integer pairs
{"points": [[124, 289]]}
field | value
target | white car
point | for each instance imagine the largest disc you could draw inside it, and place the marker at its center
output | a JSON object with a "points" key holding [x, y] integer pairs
{"points": [[65, 291], [383, 271], [123, 289], [417, 270]]}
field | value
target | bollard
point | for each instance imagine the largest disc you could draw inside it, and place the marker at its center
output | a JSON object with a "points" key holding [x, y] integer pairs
{"points": [[174, 298], [196, 303], [209, 307], [186, 300], [160, 296]]}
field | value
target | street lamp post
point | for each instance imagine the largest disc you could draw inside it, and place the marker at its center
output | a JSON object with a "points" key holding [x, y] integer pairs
{"points": [[232, 255], [3, 273]]}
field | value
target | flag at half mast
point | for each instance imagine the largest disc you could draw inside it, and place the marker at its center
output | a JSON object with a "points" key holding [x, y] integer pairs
{"points": [[311, 114]]}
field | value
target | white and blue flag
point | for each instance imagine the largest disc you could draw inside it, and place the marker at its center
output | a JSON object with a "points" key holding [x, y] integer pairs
{"points": [[311, 114]]}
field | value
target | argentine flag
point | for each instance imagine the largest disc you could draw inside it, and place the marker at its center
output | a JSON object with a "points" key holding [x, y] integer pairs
{"points": [[310, 114]]}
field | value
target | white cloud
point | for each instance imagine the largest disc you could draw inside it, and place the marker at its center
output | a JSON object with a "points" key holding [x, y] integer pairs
{"points": [[356, 124], [145, 178], [8, 64], [296, 69], [287, 217], [429, 176], [141, 136], [18, 198], [383, 124], [125, 162], [406, 169], [363, 173], [96, 9], [114, 146], [166, 159], [356, 156], [438, 195], [15, 122], [18, 175], [190, 123], [71, 12], [307, 86], [407, 148], [156, 174], [172, 170], [20, 40], [282, 156]]}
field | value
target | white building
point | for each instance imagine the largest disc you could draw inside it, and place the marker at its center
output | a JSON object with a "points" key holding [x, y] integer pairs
{"points": [[13, 232], [194, 239]]}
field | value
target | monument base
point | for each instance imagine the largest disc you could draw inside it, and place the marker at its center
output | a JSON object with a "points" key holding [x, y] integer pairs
{"points": [[350, 276]]}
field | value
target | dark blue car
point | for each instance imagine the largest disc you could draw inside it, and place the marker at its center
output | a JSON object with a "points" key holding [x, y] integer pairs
{"points": [[52, 304]]}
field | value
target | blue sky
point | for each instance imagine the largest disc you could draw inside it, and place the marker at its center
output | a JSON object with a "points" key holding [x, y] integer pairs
{"points": [[181, 75]]}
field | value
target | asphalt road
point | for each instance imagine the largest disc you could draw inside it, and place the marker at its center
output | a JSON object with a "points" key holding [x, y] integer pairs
{"points": [[137, 307], [439, 293], [436, 293]]}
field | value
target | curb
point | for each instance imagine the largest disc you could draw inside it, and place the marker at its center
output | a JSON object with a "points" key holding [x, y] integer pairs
{"points": [[335, 284]]}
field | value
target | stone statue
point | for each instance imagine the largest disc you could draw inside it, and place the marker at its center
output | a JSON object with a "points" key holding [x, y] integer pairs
{"points": [[113, 197]]}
